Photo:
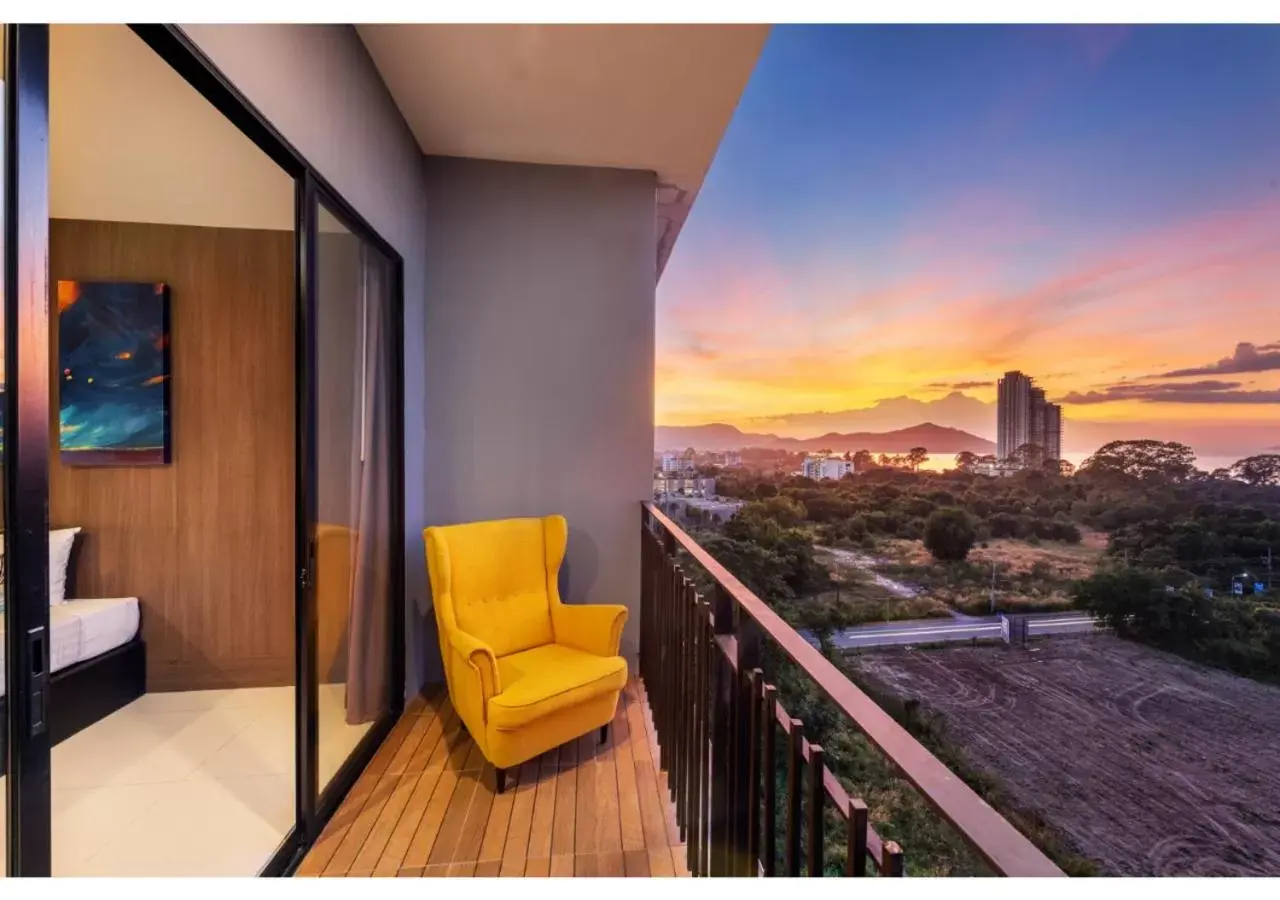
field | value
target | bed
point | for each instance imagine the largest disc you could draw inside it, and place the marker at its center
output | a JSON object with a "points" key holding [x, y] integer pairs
{"points": [[97, 664]]}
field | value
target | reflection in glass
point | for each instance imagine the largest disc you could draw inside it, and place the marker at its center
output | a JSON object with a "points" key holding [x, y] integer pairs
{"points": [[353, 546]]}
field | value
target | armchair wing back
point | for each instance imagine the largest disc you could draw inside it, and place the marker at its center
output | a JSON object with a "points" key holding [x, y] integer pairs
{"points": [[490, 580], [525, 671]]}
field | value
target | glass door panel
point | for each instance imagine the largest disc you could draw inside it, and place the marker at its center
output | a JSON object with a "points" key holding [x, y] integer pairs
{"points": [[353, 553]]}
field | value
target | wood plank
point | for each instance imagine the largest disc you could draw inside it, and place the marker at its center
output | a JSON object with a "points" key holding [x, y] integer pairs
{"points": [[475, 760], [495, 830], [660, 864], [331, 838], [415, 872], [636, 727], [454, 817], [562, 866], [651, 801], [390, 747], [436, 871], [471, 837], [436, 722], [538, 868], [462, 869], [424, 836], [609, 864], [586, 827], [393, 855], [489, 868], [628, 794], [608, 813], [680, 857], [585, 865], [375, 843], [663, 779], [462, 747], [370, 855], [409, 746], [544, 803], [452, 734], [360, 829], [516, 848], [562, 825], [635, 863]]}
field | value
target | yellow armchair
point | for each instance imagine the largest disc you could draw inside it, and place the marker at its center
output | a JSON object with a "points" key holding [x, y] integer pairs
{"points": [[525, 671]]}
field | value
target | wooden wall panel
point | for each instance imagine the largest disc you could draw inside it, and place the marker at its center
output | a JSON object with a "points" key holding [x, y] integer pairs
{"points": [[205, 543]]}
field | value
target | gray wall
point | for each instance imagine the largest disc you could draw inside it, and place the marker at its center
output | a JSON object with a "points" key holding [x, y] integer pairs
{"points": [[539, 358], [318, 86]]}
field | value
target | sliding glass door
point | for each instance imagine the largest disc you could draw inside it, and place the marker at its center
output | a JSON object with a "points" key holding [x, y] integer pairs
{"points": [[353, 508], [251, 681]]}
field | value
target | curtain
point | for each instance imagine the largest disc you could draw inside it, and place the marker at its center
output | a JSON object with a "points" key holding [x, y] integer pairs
{"points": [[369, 623]]}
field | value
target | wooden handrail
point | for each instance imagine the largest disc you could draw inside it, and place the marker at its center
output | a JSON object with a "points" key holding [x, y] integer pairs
{"points": [[1004, 848]]}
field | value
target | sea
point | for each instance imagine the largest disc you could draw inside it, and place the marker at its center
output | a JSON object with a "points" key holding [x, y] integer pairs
{"points": [[1206, 463]]}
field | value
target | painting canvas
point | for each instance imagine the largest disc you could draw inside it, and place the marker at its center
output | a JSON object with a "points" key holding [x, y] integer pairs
{"points": [[113, 373]]}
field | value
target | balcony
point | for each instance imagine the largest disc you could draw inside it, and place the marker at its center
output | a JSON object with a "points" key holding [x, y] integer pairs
{"points": [[704, 771], [427, 806]]}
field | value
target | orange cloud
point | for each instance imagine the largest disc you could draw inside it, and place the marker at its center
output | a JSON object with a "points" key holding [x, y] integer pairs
{"points": [[738, 339]]}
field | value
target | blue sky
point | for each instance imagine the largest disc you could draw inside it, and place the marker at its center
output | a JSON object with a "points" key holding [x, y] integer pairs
{"points": [[895, 205]]}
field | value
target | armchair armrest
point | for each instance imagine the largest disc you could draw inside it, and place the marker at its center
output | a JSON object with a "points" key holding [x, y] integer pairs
{"points": [[480, 657], [472, 673], [593, 628]]}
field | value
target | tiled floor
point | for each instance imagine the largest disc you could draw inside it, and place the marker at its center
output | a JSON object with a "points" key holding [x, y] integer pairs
{"points": [[427, 805], [188, 783]]}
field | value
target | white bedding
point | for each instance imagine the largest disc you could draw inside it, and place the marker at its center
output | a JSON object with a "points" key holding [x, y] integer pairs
{"points": [[82, 629]]}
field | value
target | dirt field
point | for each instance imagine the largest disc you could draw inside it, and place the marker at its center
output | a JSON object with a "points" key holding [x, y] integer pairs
{"points": [[1148, 764]]}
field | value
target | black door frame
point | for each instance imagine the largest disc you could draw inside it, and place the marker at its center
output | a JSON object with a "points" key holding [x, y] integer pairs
{"points": [[26, 450], [26, 409]]}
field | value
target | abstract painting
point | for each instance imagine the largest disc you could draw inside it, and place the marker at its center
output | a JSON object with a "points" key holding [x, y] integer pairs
{"points": [[113, 373]]}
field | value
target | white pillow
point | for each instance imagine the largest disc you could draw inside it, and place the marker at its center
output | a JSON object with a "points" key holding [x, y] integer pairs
{"points": [[60, 543]]}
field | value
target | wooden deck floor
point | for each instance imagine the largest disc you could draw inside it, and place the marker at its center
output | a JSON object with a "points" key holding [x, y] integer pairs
{"points": [[427, 805]]}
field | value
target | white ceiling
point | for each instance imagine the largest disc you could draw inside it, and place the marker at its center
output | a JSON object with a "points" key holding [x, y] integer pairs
{"points": [[651, 97]]}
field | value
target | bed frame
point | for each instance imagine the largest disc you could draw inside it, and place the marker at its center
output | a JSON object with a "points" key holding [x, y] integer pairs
{"points": [[89, 691]]}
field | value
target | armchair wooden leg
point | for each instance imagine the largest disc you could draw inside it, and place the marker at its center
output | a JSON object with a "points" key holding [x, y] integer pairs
{"points": [[604, 734], [502, 779]]}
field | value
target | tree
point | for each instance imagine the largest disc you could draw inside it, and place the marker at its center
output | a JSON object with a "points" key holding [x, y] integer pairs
{"points": [[966, 460], [916, 457], [1144, 460], [1258, 470], [949, 534], [862, 460], [1028, 456]]}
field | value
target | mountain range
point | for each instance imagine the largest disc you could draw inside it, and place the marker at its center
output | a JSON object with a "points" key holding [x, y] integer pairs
{"points": [[936, 439]]}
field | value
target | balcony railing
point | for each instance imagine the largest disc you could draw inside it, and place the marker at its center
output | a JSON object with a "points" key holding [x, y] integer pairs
{"points": [[700, 660]]}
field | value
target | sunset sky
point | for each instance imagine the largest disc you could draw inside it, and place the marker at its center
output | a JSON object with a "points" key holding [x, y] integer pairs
{"points": [[910, 211]]}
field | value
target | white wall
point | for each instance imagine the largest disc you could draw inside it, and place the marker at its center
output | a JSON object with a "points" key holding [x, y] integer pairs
{"points": [[131, 141], [318, 87]]}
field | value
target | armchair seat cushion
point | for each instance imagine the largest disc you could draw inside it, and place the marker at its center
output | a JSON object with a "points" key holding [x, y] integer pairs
{"points": [[546, 679]]}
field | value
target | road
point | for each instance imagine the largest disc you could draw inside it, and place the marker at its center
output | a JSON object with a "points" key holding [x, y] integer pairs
{"points": [[933, 631]]}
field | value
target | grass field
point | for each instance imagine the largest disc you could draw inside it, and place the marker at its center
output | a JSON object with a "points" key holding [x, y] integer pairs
{"points": [[1028, 577]]}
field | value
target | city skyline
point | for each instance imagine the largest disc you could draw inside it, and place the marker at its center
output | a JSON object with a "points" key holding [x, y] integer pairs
{"points": [[899, 215]]}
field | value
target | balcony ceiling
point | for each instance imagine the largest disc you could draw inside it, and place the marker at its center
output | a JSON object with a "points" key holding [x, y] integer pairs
{"points": [[652, 97]]}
